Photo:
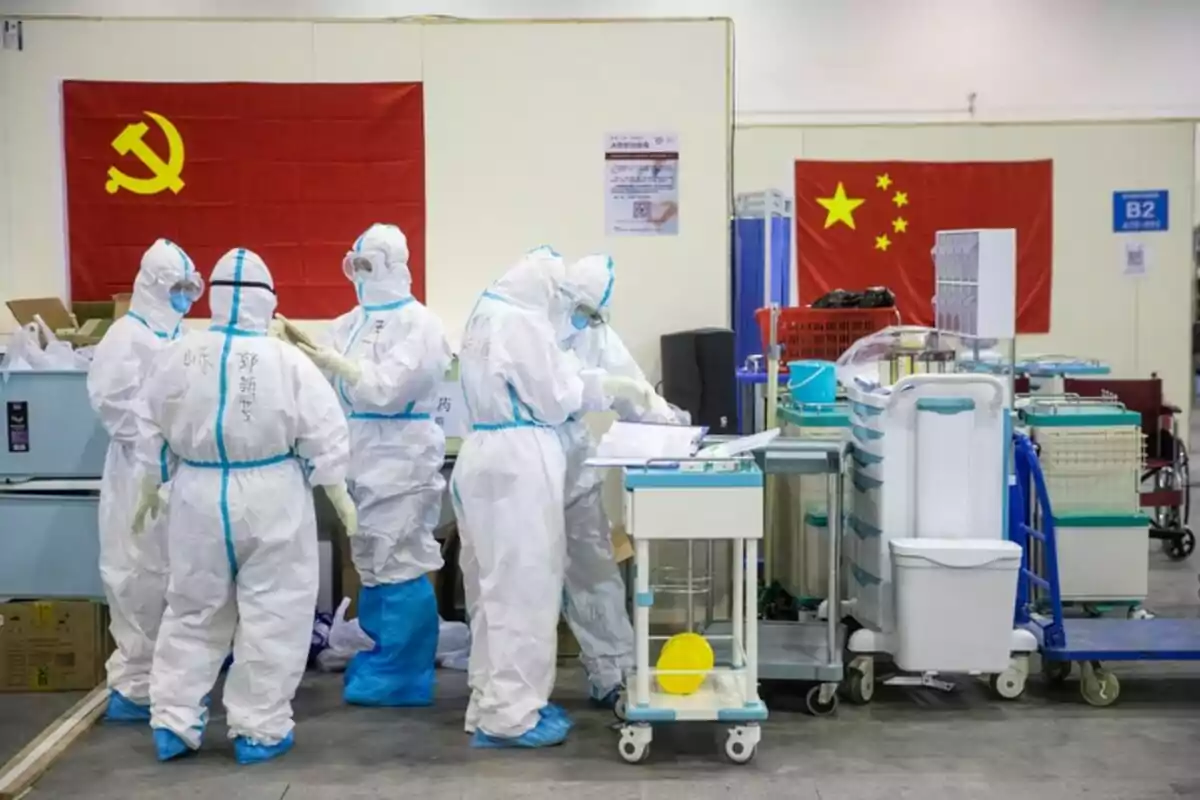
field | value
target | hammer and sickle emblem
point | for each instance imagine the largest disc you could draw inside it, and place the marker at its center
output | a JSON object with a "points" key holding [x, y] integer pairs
{"points": [[166, 173]]}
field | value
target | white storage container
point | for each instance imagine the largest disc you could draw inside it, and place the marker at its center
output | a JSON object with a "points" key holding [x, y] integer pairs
{"points": [[954, 603], [816, 554], [1103, 557]]}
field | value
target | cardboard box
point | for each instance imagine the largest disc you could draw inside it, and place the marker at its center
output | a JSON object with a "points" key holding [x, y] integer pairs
{"points": [[85, 323], [53, 645]]}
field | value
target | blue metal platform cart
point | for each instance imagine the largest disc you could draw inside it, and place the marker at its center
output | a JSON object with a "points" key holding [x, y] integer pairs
{"points": [[1088, 642]]}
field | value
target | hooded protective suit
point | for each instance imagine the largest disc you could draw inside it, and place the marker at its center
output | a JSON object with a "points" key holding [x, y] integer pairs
{"points": [[519, 385], [255, 426], [134, 567], [398, 356], [594, 592]]}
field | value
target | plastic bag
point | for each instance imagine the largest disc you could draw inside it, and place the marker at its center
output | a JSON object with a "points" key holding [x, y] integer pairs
{"points": [[344, 640], [24, 351]]}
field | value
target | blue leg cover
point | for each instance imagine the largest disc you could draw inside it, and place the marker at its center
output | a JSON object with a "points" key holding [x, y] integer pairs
{"points": [[402, 619], [168, 745], [247, 751], [122, 709]]}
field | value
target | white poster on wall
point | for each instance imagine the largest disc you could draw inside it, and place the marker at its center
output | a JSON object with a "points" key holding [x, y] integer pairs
{"points": [[641, 184], [1135, 261]]}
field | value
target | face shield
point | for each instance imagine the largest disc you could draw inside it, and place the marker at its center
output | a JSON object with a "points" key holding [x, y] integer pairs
{"points": [[363, 267], [186, 291]]}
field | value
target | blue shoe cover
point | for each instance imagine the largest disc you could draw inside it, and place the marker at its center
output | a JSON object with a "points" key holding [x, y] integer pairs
{"points": [[556, 713], [547, 733], [402, 620], [122, 709], [168, 745], [247, 751]]}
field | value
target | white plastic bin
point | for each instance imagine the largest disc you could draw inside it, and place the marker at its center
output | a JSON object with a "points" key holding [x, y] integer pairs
{"points": [[954, 603], [816, 554], [1103, 557]]}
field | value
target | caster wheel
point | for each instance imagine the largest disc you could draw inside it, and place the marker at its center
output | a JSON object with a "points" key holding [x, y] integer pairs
{"points": [[1092, 611], [1099, 687], [1008, 685], [1056, 672], [619, 707], [860, 687], [738, 749], [1183, 546], [634, 744], [812, 702]]}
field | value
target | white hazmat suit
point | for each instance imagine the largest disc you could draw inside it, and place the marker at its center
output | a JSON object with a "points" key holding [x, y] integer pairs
{"points": [[594, 591], [255, 426], [134, 567], [388, 358], [519, 385]]}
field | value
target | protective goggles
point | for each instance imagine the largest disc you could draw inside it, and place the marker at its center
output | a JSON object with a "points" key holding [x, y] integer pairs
{"points": [[359, 266], [190, 287], [244, 285]]}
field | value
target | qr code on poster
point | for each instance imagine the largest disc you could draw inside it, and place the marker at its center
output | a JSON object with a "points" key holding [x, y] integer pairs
{"points": [[1135, 258], [641, 209]]}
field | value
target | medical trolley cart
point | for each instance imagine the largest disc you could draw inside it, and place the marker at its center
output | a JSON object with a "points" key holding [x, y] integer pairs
{"points": [[696, 500], [1088, 642]]}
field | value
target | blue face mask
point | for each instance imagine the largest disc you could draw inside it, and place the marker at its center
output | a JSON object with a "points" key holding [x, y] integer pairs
{"points": [[180, 303], [580, 321]]}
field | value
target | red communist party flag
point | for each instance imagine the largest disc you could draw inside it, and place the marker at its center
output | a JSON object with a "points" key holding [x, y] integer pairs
{"points": [[872, 223], [294, 172]]}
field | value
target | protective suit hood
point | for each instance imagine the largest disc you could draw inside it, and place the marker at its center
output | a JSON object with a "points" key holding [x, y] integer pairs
{"points": [[388, 246], [535, 282], [163, 265], [241, 293]]}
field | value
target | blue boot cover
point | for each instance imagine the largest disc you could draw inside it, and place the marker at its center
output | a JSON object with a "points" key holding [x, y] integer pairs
{"points": [[247, 751], [548, 732], [168, 745], [555, 712], [122, 709], [607, 701], [399, 670]]}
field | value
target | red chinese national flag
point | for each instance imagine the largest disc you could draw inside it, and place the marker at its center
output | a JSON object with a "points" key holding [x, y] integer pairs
{"points": [[292, 171], [872, 223]]}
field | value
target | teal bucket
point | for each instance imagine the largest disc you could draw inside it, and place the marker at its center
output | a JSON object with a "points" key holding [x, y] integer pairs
{"points": [[812, 381]]}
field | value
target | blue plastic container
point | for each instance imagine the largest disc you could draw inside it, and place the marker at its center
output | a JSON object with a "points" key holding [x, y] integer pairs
{"points": [[812, 381]]}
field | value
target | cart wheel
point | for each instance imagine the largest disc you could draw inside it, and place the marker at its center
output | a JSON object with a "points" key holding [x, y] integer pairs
{"points": [[1056, 672], [1008, 685], [619, 707], [1183, 545], [1099, 687], [812, 701], [860, 687], [741, 746], [634, 744], [1092, 611]]}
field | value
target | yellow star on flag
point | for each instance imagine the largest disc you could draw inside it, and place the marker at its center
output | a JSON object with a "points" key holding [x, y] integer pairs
{"points": [[900, 199], [900, 225], [882, 242], [883, 181], [840, 207]]}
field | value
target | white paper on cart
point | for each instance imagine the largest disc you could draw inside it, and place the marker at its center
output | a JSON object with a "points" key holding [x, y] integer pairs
{"points": [[631, 444], [736, 447]]}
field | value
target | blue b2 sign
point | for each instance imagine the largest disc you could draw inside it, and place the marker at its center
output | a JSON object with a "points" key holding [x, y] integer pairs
{"points": [[1140, 211]]}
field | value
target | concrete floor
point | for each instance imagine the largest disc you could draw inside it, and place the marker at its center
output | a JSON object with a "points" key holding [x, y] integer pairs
{"points": [[23, 716], [907, 744]]}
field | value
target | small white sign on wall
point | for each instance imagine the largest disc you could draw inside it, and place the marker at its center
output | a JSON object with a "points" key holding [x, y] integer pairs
{"points": [[1135, 259]]}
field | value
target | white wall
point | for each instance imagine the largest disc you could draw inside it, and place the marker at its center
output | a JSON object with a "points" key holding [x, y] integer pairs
{"points": [[862, 60], [1138, 325], [515, 118]]}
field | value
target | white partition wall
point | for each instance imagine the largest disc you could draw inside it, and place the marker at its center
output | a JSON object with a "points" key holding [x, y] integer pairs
{"points": [[515, 119], [1138, 325]]}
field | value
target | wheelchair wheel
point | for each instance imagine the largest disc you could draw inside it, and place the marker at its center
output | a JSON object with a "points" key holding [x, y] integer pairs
{"points": [[1182, 545]]}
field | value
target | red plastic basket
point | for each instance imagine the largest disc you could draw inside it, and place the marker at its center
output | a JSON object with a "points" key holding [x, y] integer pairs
{"points": [[821, 333]]}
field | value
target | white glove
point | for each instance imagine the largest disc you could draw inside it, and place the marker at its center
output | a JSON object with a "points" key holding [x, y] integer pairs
{"points": [[149, 504], [635, 391], [277, 329], [343, 505], [333, 362], [288, 331]]}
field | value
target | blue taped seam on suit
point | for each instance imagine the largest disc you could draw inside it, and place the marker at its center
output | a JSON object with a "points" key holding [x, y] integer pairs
{"points": [[136, 316], [164, 474], [222, 399]]}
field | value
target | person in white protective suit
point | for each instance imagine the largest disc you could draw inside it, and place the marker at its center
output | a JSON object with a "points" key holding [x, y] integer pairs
{"points": [[388, 358], [594, 591], [519, 384], [134, 568], [255, 425]]}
